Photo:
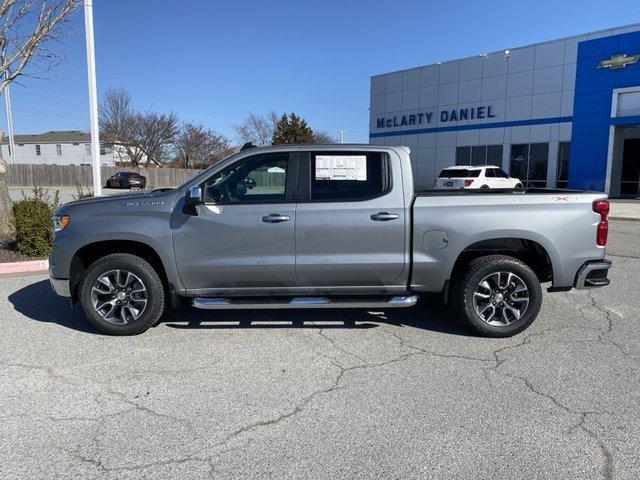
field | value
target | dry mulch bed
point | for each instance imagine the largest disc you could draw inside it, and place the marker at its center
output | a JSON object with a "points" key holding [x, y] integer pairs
{"points": [[8, 253]]}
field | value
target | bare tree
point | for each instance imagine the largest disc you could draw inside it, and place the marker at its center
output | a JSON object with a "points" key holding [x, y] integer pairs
{"points": [[257, 129], [198, 146], [118, 123], [324, 137], [26, 29], [156, 133], [143, 136]]}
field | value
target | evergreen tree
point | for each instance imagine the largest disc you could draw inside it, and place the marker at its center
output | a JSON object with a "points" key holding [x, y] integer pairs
{"points": [[292, 129]]}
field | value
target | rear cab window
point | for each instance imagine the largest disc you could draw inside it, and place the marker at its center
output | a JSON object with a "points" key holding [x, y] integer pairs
{"points": [[334, 176], [459, 173]]}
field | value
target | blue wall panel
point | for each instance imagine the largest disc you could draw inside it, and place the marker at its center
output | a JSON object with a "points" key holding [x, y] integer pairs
{"points": [[592, 106]]}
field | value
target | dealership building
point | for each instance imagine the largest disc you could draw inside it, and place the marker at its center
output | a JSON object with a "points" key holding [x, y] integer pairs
{"points": [[562, 113]]}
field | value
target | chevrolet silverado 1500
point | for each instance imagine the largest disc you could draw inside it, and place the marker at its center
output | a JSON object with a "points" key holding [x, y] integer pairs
{"points": [[335, 226]]}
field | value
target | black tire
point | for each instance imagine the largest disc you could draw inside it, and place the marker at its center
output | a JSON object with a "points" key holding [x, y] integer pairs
{"points": [[468, 282], [139, 267], [518, 185], [484, 187]]}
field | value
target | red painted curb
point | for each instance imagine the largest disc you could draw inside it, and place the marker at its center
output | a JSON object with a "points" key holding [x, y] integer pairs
{"points": [[24, 267]]}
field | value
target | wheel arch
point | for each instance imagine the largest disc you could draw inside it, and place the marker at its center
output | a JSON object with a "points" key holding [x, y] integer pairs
{"points": [[535, 253], [89, 253]]}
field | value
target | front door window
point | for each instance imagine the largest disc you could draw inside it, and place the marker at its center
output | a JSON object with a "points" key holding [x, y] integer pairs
{"points": [[258, 179]]}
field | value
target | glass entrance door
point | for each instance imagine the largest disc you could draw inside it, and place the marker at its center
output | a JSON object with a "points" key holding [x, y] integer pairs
{"points": [[630, 178]]}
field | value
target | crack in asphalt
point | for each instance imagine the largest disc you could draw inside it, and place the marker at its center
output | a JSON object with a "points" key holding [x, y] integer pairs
{"points": [[299, 407], [608, 468], [609, 327], [336, 346], [499, 357]]}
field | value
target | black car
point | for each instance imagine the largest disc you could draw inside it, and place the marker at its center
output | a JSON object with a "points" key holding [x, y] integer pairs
{"points": [[127, 180]]}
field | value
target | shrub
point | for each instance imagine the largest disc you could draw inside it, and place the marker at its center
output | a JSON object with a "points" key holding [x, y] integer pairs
{"points": [[32, 217]]}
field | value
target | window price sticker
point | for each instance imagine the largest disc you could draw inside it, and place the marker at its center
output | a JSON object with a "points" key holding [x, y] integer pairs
{"points": [[341, 167]]}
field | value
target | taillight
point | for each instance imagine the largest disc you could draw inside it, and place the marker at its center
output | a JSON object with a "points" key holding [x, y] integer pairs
{"points": [[602, 207], [468, 182]]}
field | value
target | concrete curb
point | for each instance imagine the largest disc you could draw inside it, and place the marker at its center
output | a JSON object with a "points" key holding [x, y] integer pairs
{"points": [[24, 267], [625, 219]]}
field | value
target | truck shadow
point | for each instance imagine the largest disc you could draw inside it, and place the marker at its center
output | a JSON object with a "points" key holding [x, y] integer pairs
{"points": [[37, 302]]}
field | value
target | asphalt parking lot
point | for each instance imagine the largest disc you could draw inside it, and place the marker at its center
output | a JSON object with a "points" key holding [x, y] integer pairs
{"points": [[325, 394]]}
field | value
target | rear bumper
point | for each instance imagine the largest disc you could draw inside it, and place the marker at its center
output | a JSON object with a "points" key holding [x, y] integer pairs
{"points": [[593, 274]]}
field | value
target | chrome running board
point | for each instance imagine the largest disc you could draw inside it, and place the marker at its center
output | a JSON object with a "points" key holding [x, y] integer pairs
{"points": [[218, 303]]}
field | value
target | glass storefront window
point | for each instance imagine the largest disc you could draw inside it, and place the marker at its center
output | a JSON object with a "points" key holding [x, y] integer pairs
{"points": [[562, 174], [463, 155], [479, 155], [529, 163], [538, 159], [519, 162], [494, 155]]}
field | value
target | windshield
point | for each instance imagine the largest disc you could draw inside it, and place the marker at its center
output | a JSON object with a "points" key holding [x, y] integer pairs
{"points": [[458, 173]]}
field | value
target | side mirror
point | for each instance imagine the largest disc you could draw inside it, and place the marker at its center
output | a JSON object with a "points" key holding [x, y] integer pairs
{"points": [[194, 196]]}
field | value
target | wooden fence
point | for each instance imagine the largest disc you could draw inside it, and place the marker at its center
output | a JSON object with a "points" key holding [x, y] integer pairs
{"points": [[26, 175]]}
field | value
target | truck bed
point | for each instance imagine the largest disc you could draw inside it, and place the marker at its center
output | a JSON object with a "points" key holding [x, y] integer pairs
{"points": [[446, 223]]}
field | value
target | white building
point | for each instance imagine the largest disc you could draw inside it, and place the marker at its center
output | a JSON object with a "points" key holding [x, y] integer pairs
{"points": [[559, 113], [63, 147]]}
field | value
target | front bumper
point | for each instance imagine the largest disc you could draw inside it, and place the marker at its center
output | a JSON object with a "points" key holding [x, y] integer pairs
{"points": [[60, 286], [593, 274]]}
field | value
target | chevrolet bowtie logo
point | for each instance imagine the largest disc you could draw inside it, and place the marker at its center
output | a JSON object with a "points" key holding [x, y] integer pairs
{"points": [[618, 61]]}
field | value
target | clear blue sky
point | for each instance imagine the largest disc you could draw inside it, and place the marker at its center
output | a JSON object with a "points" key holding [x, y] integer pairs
{"points": [[212, 62]]}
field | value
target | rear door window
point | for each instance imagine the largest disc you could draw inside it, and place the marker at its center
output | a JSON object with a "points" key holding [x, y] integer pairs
{"points": [[458, 173], [348, 176]]}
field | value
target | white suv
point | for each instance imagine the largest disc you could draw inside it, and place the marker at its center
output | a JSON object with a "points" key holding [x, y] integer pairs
{"points": [[488, 176]]}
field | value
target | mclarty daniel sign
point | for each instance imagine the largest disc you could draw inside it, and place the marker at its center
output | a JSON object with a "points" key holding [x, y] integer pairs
{"points": [[445, 116]]}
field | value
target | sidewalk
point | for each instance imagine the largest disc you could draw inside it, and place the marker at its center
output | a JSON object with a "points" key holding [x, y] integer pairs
{"points": [[625, 210]]}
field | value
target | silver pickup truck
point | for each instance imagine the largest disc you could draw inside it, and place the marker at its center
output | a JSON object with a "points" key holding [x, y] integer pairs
{"points": [[325, 226]]}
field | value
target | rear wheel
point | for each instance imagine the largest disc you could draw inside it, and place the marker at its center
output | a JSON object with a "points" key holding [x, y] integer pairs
{"points": [[121, 294], [498, 296]]}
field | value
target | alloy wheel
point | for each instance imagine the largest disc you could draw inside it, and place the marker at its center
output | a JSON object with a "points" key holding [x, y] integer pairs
{"points": [[119, 297], [501, 298]]}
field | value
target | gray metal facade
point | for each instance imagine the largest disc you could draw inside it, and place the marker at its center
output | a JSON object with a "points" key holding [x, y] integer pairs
{"points": [[522, 95]]}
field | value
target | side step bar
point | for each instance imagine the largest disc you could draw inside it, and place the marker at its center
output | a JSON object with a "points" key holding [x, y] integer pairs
{"points": [[209, 303]]}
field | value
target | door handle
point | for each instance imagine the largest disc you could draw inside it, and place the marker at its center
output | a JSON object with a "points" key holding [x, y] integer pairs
{"points": [[384, 216], [275, 218]]}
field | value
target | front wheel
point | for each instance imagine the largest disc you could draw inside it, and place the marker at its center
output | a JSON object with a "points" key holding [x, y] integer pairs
{"points": [[498, 296], [121, 294]]}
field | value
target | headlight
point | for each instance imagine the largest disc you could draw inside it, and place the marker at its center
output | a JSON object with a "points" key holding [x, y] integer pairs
{"points": [[60, 221]]}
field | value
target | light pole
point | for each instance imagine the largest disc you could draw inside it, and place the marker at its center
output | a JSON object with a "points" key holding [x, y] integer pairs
{"points": [[7, 102], [342, 132], [93, 98]]}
